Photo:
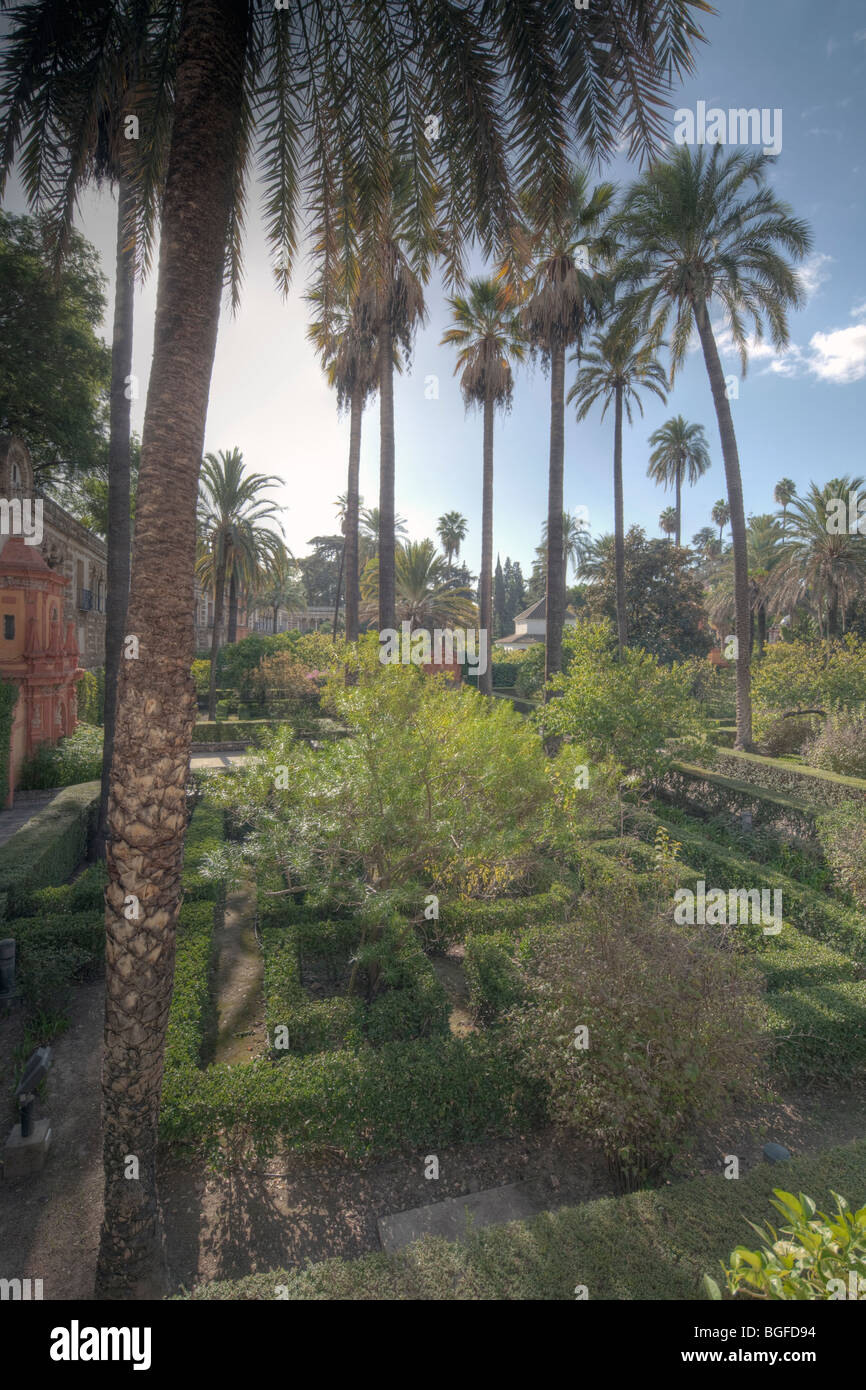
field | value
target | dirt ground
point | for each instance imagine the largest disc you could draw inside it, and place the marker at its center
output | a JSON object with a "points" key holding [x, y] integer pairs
{"points": [[292, 1211]]}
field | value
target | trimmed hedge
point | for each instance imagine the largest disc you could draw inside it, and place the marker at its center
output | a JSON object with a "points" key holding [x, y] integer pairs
{"points": [[655, 1244], [810, 784], [191, 1014], [820, 1031], [86, 893], [49, 846], [234, 730], [711, 792], [492, 974], [462, 917], [443, 1090]]}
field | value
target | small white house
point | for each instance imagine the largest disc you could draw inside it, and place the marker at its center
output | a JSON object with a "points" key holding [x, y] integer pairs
{"points": [[530, 627]]}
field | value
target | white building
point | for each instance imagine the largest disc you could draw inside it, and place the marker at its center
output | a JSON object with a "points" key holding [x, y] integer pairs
{"points": [[530, 627]]}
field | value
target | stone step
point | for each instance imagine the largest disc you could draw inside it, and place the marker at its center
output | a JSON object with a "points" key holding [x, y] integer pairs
{"points": [[456, 1217]]}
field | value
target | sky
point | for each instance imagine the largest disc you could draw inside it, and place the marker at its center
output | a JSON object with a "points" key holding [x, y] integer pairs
{"points": [[797, 414]]}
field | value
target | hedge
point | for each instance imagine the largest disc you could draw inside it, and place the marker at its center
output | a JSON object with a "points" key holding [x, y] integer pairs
{"points": [[49, 846], [191, 1015], [810, 784], [461, 917], [656, 1244], [711, 792], [234, 730], [443, 1090], [820, 1031], [87, 892], [492, 974]]}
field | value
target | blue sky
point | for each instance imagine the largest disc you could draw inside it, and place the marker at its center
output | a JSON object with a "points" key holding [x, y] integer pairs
{"points": [[800, 414]]}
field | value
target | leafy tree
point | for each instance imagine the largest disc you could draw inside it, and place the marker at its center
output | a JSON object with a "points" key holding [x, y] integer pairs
{"points": [[280, 586], [486, 332], [704, 227], [663, 598], [320, 570], [679, 454], [617, 367], [54, 369], [499, 591], [515, 593]]}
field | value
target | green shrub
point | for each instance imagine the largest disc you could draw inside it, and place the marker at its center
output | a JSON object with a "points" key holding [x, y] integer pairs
{"points": [[671, 1038], [815, 1256], [49, 846], [492, 974], [460, 918], [819, 1032], [813, 785], [86, 893], [75, 759], [842, 833], [786, 736], [201, 676], [91, 697], [808, 675], [190, 1017], [419, 1010], [840, 746]]}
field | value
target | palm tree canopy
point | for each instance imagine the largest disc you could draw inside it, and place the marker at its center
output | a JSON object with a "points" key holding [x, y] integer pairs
{"points": [[576, 541], [784, 492], [668, 520], [451, 529], [427, 595], [815, 557], [721, 512], [487, 333], [232, 510], [679, 450], [618, 359], [704, 226]]}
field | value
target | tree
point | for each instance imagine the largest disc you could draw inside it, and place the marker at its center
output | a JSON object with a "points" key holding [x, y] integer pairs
{"points": [[679, 454], [668, 522], [426, 594], [721, 515], [279, 586], [320, 570], [54, 369], [563, 297], [763, 538], [302, 88], [232, 510], [783, 495], [486, 334], [347, 349], [663, 597], [616, 369], [819, 560], [701, 227], [451, 529]]}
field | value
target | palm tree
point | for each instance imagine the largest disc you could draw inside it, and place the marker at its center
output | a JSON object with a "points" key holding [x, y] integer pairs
{"points": [[564, 296], [69, 130], [347, 349], [370, 529], [705, 540], [702, 227], [679, 452], [668, 522], [575, 543], [232, 512], [451, 527], [783, 495], [486, 333], [397, 250], [302, 88], [280, 586], [616, 369], [817, 561], [721, 515], [426, 593], [763, 538]]}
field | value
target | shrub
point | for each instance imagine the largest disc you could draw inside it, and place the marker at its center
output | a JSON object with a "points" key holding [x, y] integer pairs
{"points": [[75, 759], [86, 893], [819, 1032], [91, 697], [785, 736], [673, 1034], [420, 1010], [190, 1016], [815, 1255], [51, 844], [493, 975], [461, 918], [842, 833], [840, 746], [201, 677], [628, 706], [808, 675]]}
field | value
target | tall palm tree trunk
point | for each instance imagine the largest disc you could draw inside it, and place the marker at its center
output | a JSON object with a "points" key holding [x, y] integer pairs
{"points": [[679, 504], [619, 524], [834, 626], [730, 455], [276, 615], [118, 486], [147, 811], [350, 543], [387, 593], [218, 609], [339, 587], [555, 565], [233, 607], [485, 585]]}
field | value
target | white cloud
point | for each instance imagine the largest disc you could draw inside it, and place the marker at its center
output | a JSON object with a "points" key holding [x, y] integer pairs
{"points": [[839, 356], [813, 273]]}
